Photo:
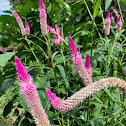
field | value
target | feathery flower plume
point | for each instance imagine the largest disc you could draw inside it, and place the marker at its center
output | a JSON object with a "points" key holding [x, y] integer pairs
{"points": [[50, 28], [112, 18], [107, 23], [119, 23], [59, 33], [30, 94], [27, 28], [20, 23], [114, 10], [79, 96], [43, 17], [78, 63], [88, 65]]}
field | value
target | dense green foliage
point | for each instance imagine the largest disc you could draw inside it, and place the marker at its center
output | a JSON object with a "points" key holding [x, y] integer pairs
{"points": [[84, 20]]}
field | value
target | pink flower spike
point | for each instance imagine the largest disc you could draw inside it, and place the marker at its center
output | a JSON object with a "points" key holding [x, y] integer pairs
{"points": [[73, 47], [30, 94], [43, 19], [27, 28], [55, 39], [107, 23], [50, 29], [55, 101], [119, 23], [41, 4], [112, 18], [114, 10], [116, 45], [88, 65], [20, 23], [59, 33], [78, 63], [23, 75]]}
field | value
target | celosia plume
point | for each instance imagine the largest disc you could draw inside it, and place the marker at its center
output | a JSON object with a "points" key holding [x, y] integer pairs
{"points": [[59, 33], [78, 63], [27, 28], [112, 18], [50, 29], [20, 23], [30, 94], [56, 41], [43, 18], [79, 96], [116, 45], [88, 65], [107, 23], [114, 10], [119, 23]]}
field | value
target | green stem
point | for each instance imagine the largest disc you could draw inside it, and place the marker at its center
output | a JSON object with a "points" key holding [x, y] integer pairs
{"points": [[34, 56]]}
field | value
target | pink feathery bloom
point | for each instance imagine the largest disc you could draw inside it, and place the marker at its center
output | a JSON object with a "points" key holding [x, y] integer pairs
{"points": [[50, 28], [59, 33], [29, 91], [107, 23], [88, 65], [27, 28], [43, 18], [56, 41], [116, 45], [78, 63], [112, 18], [20, 23], [114, 10], [119, 23]]}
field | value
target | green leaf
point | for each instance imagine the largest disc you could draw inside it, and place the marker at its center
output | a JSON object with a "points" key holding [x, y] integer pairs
{"points": [[8, 108], [107, 4], [96, 7], [124, 1], [63, 74], [5, 57], [22, 102]]}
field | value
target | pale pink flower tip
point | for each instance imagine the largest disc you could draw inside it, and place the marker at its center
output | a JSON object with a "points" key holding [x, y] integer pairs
{"points": [[55, 39], [23, 75], [108, 15], [121, 94], [73, 47], [88, 65], [50, 28], [55, 101], [27, 28], [116, 45], [41, 4], [113, 21]]}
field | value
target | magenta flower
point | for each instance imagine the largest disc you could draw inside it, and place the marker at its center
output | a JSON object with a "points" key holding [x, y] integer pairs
{"points": [[43, 18], [119, 23], [88, 65], [112, 18], [50, 28], [27, 28], [56, 41], [20, 23], [107, 23], [116, 45], [59, 33], [114, 10], [78, 63], [30, 94]]}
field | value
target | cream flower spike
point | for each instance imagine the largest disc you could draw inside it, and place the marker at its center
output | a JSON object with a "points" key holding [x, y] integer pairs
{"points": [[82, 94]]}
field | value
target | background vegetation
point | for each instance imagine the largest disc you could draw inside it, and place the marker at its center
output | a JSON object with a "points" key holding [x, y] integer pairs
{"points": [[84, 20]]}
